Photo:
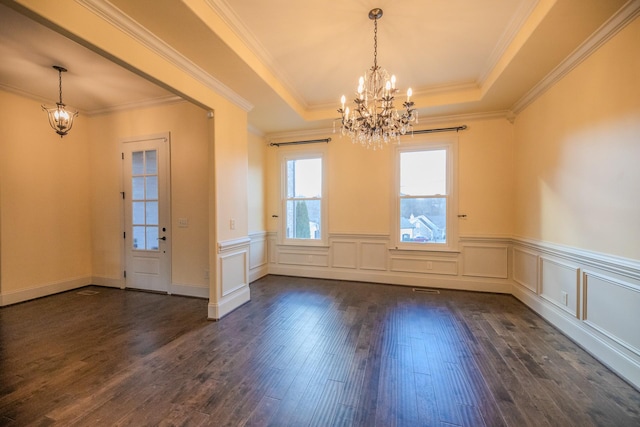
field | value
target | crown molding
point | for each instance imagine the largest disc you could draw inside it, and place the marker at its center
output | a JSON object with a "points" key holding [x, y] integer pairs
{"points": [[617, 22], [155, 102], [509, 34], [329, 132], [114, 16], [226, 13]]}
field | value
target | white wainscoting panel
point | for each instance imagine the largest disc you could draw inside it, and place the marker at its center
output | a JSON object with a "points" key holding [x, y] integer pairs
{"points": [[233, 271], [485, 261], [258, 256], [373, 256], [612, 307], [231, 287], [344, 254], [560, 284], [525, 269], [424, 265], [303, 258], [272, 251]]}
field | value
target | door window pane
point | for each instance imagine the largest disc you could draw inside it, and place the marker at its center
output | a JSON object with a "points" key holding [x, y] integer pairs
{"points": [[152, 213], [137, 163], [152, 187], [138, 213], [152, 238], [137, 190], [139, 237], [151, 162]]}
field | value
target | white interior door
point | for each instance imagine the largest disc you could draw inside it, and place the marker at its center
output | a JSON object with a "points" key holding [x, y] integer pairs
{"points": [[147, 213]]}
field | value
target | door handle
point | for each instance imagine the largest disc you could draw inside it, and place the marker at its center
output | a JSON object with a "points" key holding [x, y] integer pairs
{"points": [[162, 238]]}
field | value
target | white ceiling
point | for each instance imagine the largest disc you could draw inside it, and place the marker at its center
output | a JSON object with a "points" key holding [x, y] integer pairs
{"points": [[459, 56]]}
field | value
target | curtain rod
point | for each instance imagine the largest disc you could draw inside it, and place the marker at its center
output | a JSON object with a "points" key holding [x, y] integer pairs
{"points": [[451, 129], [315, 141], [310, 141]]}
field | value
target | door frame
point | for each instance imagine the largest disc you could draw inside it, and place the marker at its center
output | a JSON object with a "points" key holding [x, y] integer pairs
{"points": [[165, 139]]}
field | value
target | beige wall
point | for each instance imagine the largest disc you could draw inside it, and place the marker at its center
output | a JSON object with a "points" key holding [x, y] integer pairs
{"points": [[187, 125], [256, 191], [361, 181], [576, 155], [45, 185]]}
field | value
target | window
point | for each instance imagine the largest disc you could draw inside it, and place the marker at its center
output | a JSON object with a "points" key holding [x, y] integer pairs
{"points": [[426, 208], [144, 199], [303, 198]]}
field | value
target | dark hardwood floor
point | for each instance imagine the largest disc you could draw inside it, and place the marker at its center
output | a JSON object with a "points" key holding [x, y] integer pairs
{"points": [[302, 352]]}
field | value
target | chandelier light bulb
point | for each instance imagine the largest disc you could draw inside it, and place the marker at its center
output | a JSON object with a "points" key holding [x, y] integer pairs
{"points": [[374, 120]]}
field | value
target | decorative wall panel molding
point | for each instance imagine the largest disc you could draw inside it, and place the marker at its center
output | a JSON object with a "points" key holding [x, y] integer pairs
{"points": [[344, 254], [424, 265], [607, 291], [485, 261], [525, 269], [373, 255], [258, 256], [233, 271], [619, 322], [560, 284]]}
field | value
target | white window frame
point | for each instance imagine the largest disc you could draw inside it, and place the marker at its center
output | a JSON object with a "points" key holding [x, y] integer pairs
{"points": [[424, 143], [301, 153]]}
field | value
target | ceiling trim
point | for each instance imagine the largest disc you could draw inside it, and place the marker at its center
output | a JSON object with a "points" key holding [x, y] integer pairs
{"points": [[617, 22], [123, 22], [488, 115], [509, 34], [164, 100], [226, 13], [155, 102]]}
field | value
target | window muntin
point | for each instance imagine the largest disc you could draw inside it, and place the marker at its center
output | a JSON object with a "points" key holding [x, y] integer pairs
{"points": [[424, 207]]}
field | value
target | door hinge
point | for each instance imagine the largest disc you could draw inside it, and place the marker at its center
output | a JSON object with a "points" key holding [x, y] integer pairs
{"points": [[124, 234], [125, 274], [122, 192], [122, 156]]}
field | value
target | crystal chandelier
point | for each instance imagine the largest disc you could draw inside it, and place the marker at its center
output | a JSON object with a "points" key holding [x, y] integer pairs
{"points": [[60, 119], [374, 120]]}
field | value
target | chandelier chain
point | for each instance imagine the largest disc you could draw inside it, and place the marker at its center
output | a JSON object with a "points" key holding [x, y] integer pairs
{"points": [[375, 43], [60, 85]]}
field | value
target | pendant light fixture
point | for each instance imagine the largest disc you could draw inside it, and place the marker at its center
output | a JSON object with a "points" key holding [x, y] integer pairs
{"points": [[374, 121], [60, 119]]}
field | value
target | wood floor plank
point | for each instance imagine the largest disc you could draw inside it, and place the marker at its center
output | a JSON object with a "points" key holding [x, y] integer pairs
{"points": [[302, 352]]}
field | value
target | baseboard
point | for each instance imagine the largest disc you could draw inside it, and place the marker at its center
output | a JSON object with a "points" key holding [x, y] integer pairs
{"points": [[615, 357], [8, 298], [108, 282], [189, 290], [228, 303], [258, 272], [389, 278]]}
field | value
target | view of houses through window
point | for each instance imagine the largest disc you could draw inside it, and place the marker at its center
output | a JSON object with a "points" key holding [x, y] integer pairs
{"points": [[423, 196]]}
